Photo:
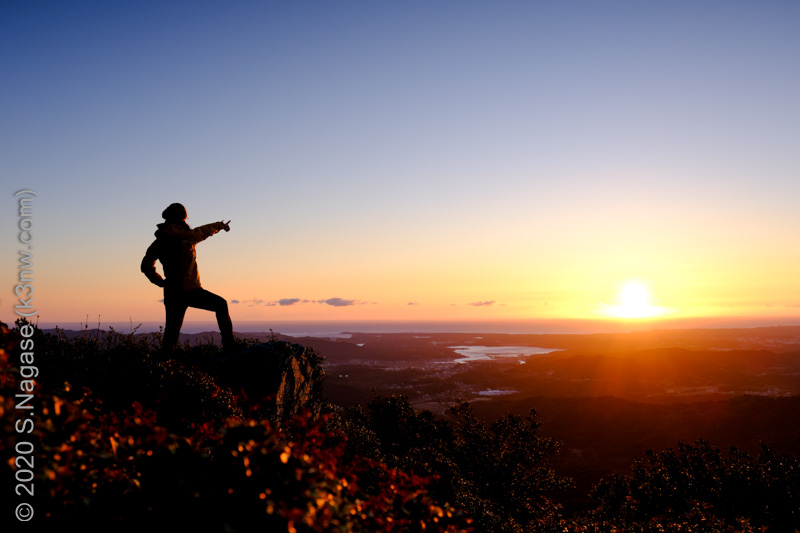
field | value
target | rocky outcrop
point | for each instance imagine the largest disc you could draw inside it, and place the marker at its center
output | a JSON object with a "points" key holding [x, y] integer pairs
{"points": [[279, 379]]}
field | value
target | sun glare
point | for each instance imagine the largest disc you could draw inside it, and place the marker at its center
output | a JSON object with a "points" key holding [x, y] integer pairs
{"points": [[634, 302]]}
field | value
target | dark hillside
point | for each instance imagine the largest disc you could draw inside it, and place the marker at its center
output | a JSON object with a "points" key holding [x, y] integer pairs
{"points": [[601, 435]]}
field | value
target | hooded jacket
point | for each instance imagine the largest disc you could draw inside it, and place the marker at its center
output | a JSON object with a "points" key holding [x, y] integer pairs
{"points": [[174, 247]]}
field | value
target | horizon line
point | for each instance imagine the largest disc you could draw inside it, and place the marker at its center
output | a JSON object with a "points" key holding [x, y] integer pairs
{"points": [[508, 326]]}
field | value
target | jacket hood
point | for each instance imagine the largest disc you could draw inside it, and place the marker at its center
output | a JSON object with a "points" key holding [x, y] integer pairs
{"points": [[160, 232], [164, 229]]}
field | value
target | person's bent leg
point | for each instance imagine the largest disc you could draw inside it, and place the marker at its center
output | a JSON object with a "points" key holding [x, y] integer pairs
{"points": [[175, 308], [203, 299]]}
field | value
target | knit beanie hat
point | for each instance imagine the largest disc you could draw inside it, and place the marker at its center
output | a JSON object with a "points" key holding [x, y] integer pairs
{"points": [[175, 212]]}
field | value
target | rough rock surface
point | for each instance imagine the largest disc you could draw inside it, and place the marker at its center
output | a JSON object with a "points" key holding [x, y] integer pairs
{"points": [[280, 378]]}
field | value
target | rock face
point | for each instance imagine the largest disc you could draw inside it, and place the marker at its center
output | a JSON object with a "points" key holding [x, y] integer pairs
{"points": [[280, 379]]}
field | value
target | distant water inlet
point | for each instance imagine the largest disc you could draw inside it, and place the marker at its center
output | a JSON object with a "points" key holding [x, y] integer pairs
{"points": [[484, 353]]}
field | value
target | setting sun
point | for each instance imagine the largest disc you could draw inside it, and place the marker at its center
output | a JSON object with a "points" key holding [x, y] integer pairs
{"points": [[634, 302]]}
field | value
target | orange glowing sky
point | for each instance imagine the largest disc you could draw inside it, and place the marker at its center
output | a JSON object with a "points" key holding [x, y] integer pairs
{"points": [[410, 161]]}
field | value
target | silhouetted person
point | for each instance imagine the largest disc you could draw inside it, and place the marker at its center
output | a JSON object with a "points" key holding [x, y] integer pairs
{"points": [[174, 248]]}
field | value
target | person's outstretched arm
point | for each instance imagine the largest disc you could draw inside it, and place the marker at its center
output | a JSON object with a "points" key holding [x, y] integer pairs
{"points": [[200, 233]]}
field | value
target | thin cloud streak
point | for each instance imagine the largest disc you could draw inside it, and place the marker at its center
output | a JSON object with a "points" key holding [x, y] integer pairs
{"points": [[288, 302], [338, 302]]}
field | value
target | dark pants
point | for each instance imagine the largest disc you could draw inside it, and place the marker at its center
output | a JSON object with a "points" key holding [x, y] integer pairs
{"points": [[176, 301]]}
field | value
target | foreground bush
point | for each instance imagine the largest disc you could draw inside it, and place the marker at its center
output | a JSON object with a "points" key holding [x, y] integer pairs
{"points": [[498, 474], [698, 488], [121, 469]]}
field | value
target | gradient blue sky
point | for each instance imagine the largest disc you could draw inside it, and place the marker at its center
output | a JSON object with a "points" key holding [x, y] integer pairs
{"points": [[410, 158]]}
